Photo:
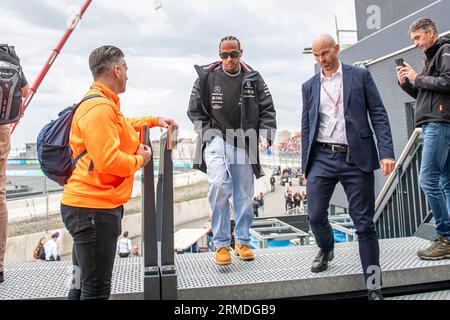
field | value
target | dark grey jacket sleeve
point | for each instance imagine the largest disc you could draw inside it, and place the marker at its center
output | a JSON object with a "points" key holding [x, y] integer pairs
{"points": [[439, 84], [267, 114], [409, 89], [195, 111]]}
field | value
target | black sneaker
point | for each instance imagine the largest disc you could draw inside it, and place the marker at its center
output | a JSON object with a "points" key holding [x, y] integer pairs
{"points": [[438, 250], [2, 277], [375, 295]]}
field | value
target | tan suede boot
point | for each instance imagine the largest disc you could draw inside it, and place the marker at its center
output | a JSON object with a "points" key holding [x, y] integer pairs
{"points": [[223, 257], [244, 252]]}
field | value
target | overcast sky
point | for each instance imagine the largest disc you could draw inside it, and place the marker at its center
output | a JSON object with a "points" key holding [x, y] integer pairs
{"points": [[161, 48]]}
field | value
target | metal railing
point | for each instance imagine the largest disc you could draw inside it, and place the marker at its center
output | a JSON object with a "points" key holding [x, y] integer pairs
{"points": [[160, 277], [302, 210], [264, 231], [401, 208], [283, 159]]}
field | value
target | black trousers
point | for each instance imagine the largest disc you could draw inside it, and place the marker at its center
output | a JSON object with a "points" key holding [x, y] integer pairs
{"points": [[327, 169], [95, 233]]}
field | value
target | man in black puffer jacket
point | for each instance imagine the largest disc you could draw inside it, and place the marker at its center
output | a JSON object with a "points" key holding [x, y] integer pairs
{"points": [[431, 89]]}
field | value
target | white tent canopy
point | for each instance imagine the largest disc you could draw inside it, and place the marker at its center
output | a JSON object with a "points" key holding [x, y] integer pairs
{"points": [[185, 238]]}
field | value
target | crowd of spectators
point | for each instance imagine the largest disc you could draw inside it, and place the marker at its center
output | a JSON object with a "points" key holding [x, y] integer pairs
{"points": [[291, 145]]}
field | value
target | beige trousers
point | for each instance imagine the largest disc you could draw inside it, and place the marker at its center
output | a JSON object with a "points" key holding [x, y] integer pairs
{"points": [[5, 145]]}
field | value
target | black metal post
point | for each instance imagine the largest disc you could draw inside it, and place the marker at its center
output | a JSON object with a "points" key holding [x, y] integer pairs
{"points": [[159, 196], [168, 270], [152, 289]]}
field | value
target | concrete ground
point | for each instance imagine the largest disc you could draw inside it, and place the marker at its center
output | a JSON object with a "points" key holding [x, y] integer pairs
{"points": [[274, 204]]}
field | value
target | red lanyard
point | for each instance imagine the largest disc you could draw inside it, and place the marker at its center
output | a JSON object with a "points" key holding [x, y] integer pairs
{"points": [[335, 103]]}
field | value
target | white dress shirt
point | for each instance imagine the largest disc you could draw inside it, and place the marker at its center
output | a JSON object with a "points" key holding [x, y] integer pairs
{"points": [[124, 246], [334, 89]]}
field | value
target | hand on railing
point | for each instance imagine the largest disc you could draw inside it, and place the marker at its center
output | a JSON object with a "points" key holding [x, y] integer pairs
{"points": [[387, 166], [172, 136], [166, 123], [145, 152]]}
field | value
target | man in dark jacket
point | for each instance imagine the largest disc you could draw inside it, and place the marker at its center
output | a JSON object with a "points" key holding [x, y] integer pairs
{"points": [[232, 110], [272, 183], [431, 89]]}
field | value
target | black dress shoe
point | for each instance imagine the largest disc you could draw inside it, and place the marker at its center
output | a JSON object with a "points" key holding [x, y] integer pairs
{"points": [[2, 277], [320, 263], [375, 295]]}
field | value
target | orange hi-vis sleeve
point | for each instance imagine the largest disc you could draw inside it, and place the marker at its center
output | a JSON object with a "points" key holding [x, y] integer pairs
{"points": [[103, 178]]}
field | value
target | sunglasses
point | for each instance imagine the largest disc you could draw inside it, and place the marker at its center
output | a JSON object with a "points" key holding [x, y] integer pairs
{"points": [[232, 54]]}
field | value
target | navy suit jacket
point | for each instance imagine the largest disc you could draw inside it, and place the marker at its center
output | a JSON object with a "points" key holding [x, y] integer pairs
{"points": [[362, 102]]}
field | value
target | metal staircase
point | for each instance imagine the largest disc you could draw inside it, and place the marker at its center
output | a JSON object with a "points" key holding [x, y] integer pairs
{"points": [[401, 209]]}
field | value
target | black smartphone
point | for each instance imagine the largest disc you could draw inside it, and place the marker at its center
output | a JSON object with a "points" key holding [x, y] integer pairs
{"points": [[400, 62]]}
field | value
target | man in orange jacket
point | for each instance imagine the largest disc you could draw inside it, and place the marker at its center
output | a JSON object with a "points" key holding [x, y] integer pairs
{"points": [[102, 181]]}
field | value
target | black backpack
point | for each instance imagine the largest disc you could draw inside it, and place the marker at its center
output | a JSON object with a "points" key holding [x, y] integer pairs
{"points": [[10, 85], [54, 153], [39, 252]]}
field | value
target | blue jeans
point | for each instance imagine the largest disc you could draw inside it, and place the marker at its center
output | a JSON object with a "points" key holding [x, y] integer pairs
{"points": [[229, 173], [435, 174]]}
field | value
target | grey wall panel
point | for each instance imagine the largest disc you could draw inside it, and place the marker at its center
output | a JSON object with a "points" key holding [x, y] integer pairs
{"points": [[395, 37], [371, 15]]}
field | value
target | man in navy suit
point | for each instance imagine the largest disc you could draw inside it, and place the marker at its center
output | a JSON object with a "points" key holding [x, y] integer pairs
{"points": [[338, 146]]}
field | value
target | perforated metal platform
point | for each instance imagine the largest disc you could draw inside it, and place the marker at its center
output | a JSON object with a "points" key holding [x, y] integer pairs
{"points": [[51, 280], [439, 295], [285, 272], [275, 273]]}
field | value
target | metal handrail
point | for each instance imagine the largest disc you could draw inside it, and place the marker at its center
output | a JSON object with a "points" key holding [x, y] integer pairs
{"points": [[391, 182], [149, 228], [302, 210], [343, 229]]}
